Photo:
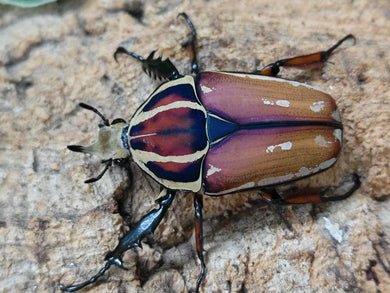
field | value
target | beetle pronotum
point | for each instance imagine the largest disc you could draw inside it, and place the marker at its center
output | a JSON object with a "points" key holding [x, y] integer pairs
{"points": [[222, 132]]}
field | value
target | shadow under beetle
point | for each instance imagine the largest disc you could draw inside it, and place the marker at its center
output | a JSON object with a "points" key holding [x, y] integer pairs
{"points": [[222, 132]]}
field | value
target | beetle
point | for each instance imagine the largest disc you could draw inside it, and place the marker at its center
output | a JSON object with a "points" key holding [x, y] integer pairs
{"points": [[217, 133]]}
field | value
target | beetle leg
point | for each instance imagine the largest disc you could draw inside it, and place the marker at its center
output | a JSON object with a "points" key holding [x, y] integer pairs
{"points": [[346, 187], [131, 239], [155, 68], [191, 43], [108, 164], [304, 61], [198, 204]]}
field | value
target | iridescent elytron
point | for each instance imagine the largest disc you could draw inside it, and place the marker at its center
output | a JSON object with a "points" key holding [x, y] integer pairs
{"points": [[218, 133]]}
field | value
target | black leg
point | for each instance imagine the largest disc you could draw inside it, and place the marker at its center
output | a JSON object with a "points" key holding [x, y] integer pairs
{"points": [[155, 68], [198, 204], [305, 61], [191, 43], [131, 239], [344, 189]]}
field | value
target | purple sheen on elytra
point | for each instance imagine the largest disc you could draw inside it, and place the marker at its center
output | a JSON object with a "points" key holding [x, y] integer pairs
{"points": [[267, 156], [248, 99]]}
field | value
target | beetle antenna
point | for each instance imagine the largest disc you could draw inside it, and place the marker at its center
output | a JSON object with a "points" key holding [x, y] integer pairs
{"points": [[96, 111], [108, 164]]}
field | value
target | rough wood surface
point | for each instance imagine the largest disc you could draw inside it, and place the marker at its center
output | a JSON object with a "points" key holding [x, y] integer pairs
{"points": [[54, 228]]}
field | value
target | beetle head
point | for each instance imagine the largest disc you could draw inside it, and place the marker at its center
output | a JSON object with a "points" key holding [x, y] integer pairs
{"points": [[111, 145]]}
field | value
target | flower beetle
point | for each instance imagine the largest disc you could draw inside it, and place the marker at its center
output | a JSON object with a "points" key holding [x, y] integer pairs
{"points": [[222, 132]]}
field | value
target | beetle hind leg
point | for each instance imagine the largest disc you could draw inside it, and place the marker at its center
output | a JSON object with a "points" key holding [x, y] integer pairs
{"points": [[304, 61], [344, 189]]}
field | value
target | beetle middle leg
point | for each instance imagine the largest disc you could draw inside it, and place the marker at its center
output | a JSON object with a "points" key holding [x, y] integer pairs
{"points": [[191, 43], [304, 61], [344, 189], [131, 239], [198, 204]]}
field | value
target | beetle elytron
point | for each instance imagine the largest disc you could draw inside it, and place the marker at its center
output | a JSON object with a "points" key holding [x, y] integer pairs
{"points": [[221, 132]]}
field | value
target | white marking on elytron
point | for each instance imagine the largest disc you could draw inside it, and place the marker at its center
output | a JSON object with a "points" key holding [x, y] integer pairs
{"points": [[285, 146], [283, 103], [143, 116], [205, 89], [269, 78], [338, 134], [248, 185], [304, 171], [321, 141], [318, 106], [280, 103], [267, 102], [336, 115], [275, 180], [334, 230], [146, 157], [212, 170]]}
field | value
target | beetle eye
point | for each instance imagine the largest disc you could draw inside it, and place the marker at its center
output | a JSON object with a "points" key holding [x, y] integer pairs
{"points": [[118, 120]]}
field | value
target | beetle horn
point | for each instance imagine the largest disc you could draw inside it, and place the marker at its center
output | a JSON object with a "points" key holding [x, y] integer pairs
{"points": [[111, 145], [89, 149], [76, 148]]}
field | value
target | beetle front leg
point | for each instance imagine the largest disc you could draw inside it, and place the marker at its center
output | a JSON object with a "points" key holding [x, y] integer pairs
{"points": [[198, 204], [346, 187], [155, 68], [304, 61], [131, 239]]}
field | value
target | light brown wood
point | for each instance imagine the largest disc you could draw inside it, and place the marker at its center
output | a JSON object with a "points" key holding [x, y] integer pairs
{"points": [[53, 227]]}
